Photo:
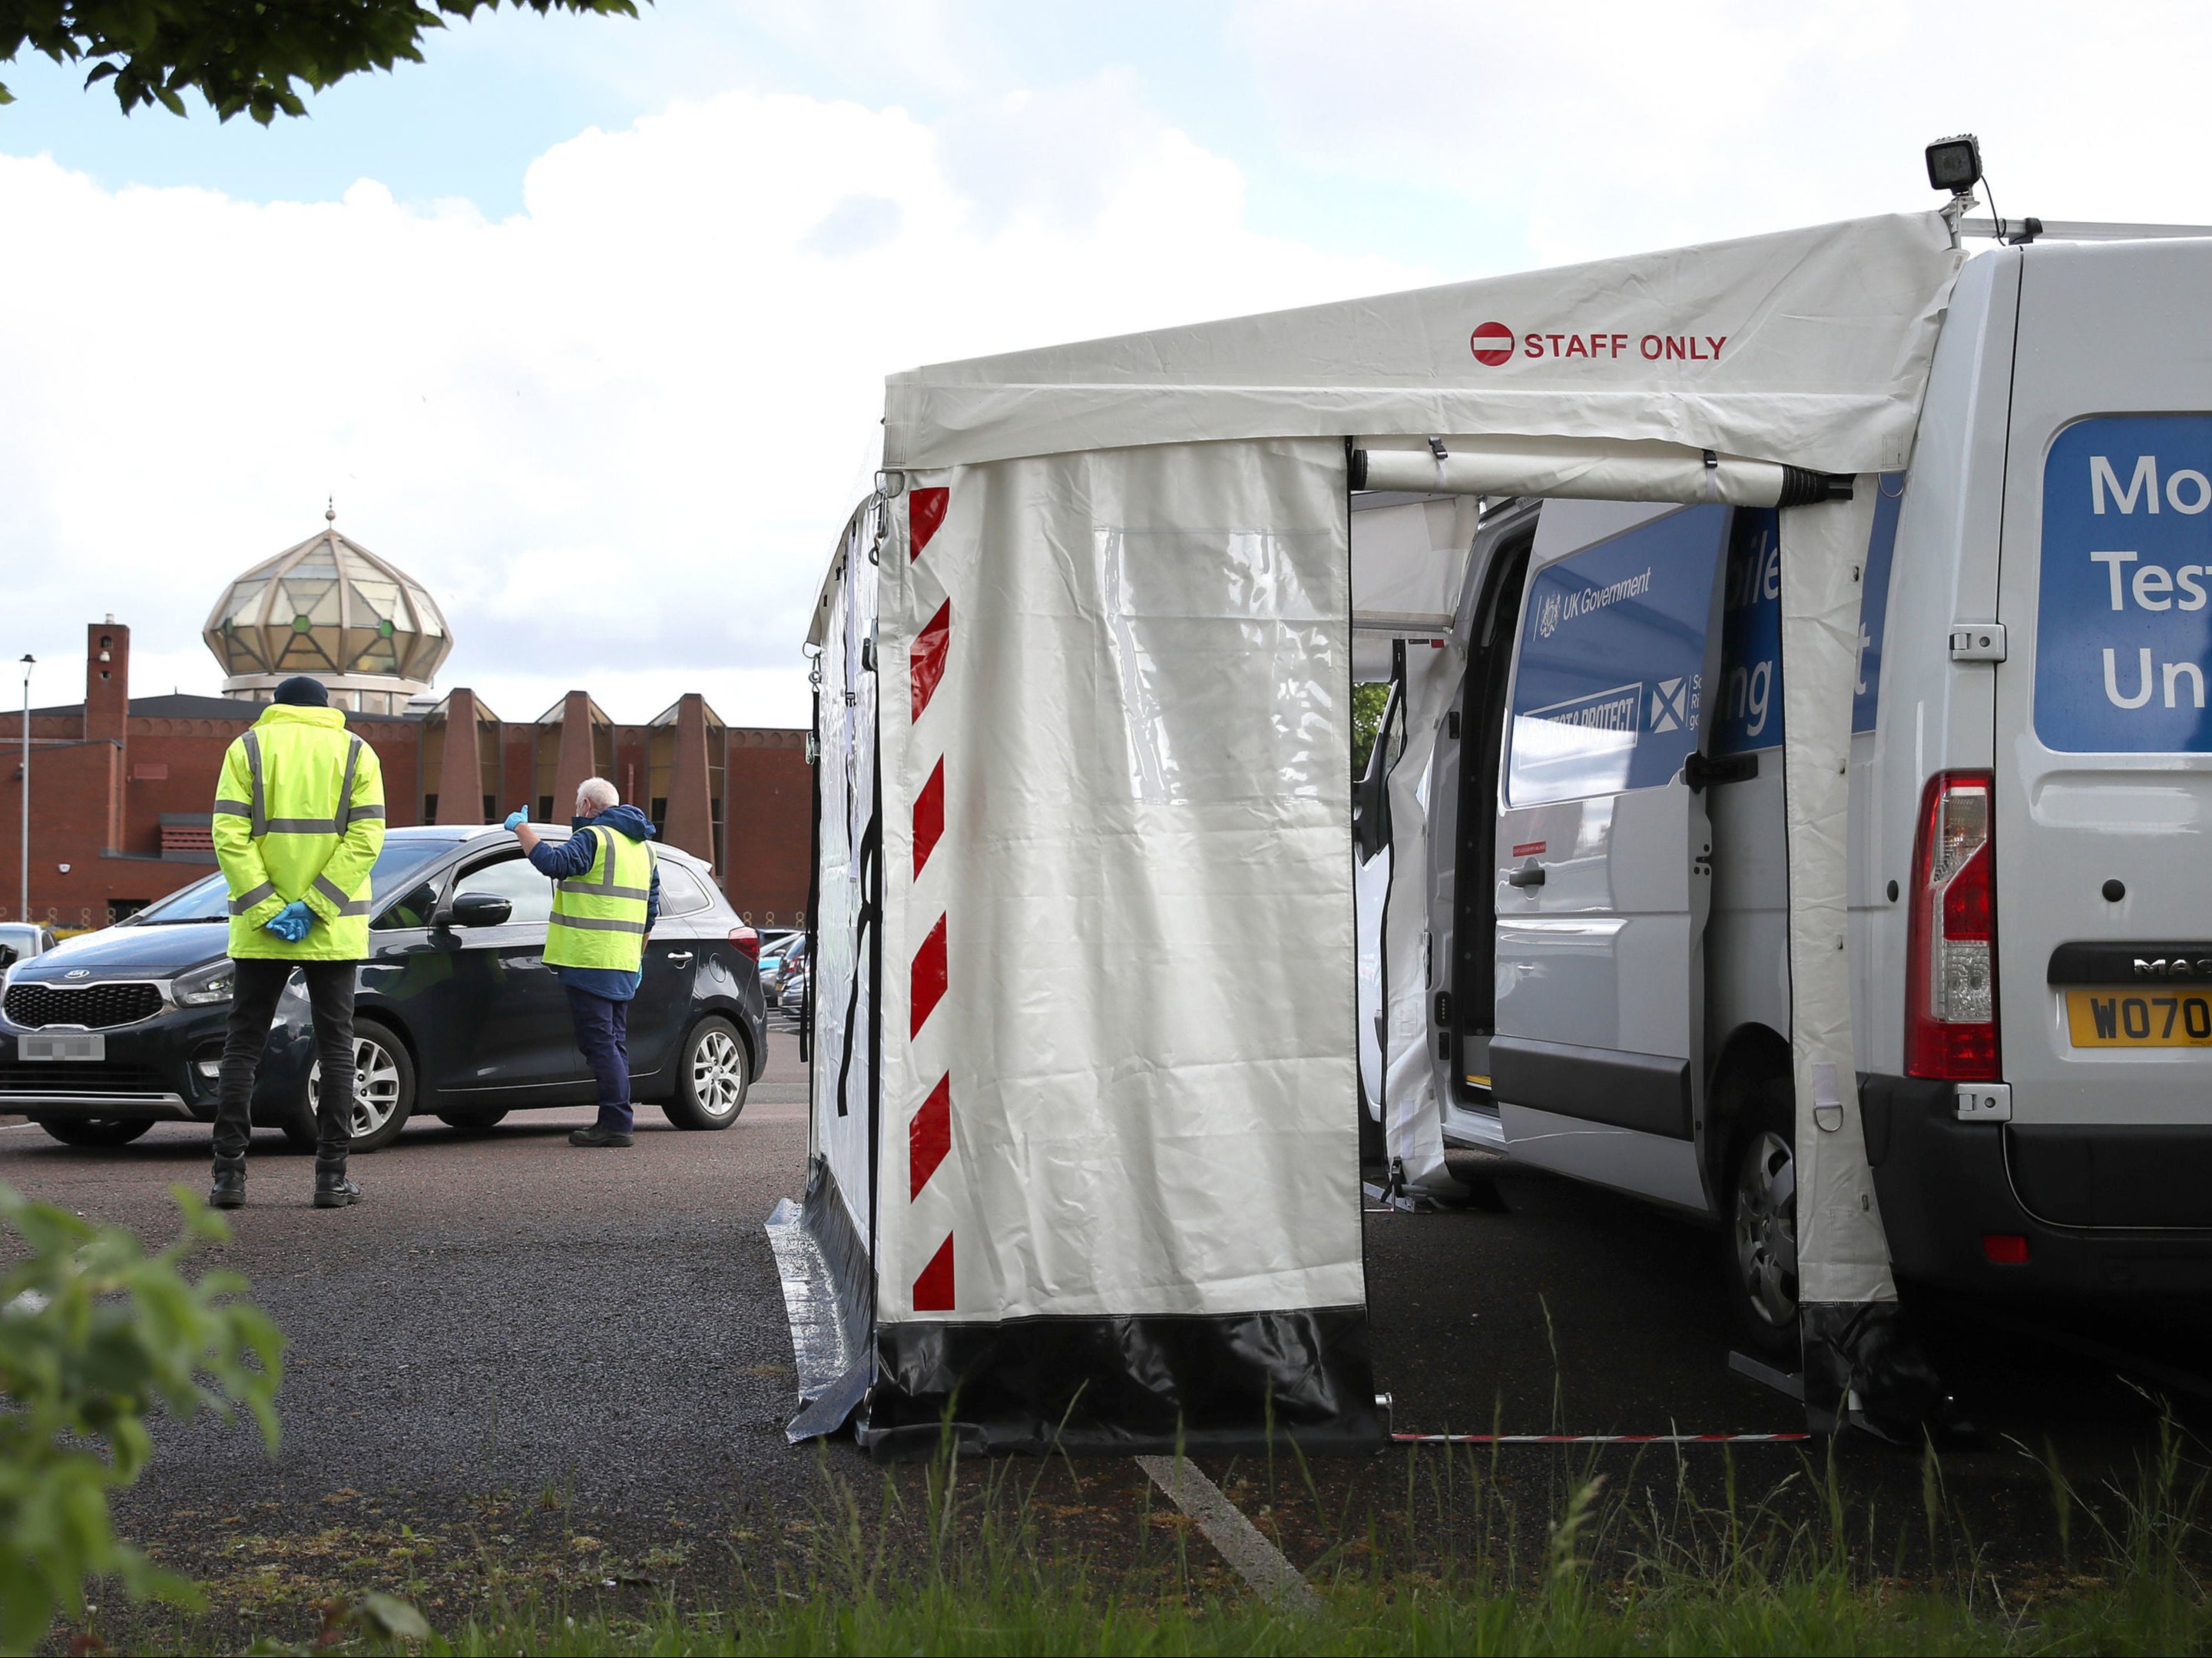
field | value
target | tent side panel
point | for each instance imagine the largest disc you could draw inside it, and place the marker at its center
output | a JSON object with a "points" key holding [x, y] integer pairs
{"points": [[842, 1019], [1120, 1140]]}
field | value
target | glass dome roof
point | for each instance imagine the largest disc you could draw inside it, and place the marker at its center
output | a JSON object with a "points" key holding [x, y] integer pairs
{"points": [[331, 608]]}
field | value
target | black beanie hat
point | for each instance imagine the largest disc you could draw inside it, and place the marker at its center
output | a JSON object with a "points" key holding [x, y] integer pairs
{"points": [[301, 692]]}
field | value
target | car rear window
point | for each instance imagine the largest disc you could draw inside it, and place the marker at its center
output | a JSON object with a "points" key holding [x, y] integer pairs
{"points": [[681, 893]]}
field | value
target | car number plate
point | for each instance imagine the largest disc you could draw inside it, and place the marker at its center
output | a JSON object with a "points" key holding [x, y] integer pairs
{"points": [[71, 1046], [2139, 1018]]}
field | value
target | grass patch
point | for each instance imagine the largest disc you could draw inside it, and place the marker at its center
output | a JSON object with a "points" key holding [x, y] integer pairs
{"points": [[964, 1556]]}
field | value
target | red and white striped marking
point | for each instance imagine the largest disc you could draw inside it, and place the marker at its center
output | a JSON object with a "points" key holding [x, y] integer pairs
{"points": [[926, 662], [929, 1131], [1492, 343], [925, 511], [1598, 1439]]}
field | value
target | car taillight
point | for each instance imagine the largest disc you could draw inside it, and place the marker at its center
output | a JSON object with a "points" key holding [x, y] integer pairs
{"points": [[746, 940], [1951, 971]]}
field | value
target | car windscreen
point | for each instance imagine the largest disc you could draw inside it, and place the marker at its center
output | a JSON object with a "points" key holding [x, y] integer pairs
{"points": [[210, 900]]}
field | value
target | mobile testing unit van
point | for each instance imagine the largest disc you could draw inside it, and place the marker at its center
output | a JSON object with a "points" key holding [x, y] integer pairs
{"points": [[1083, 665], [1590, 969]]}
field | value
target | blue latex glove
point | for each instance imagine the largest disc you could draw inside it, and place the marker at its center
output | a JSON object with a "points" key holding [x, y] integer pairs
{"points": [[292, 922], [514, 818]]}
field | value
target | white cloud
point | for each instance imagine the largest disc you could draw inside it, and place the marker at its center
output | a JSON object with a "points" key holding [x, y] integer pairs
{"points": [[1578, 129], [615, 432]]}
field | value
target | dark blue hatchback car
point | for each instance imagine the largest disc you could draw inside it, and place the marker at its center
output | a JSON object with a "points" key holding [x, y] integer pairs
{"points": [[458, 1014]]}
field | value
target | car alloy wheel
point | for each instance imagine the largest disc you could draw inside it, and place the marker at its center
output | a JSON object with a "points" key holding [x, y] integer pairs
{"points": [[718, 1074], [1764, 1233], [711, 1083], [383, 1089], [375, 1086]]}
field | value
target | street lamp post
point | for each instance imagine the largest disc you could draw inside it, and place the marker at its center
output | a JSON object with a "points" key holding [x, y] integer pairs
{"points": [[29, 661]]}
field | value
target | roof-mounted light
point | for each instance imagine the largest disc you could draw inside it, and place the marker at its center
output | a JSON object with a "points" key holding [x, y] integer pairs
{"points": [[1954, 164]]}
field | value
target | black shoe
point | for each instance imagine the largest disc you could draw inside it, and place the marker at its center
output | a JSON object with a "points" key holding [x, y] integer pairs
{"points": [[229, 1191], [333, 1190], [597, 1136]]}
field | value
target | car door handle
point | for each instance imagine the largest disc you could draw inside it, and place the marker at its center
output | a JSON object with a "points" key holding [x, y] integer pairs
{"points": [[679, 957], [1531, 876]]}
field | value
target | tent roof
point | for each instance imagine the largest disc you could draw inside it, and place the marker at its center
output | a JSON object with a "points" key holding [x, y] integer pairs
{"points": [[1807, 346]]}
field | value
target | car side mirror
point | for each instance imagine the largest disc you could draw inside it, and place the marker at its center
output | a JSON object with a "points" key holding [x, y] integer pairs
{"points": [[480, 909]]}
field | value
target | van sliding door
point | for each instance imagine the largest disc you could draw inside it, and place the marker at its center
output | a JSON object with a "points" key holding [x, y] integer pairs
{"points": [[1603, 855]]}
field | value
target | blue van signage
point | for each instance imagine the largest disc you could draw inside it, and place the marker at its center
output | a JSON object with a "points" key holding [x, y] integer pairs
{"points": [[2123, 617], [1748, 711], [1612, 654]]}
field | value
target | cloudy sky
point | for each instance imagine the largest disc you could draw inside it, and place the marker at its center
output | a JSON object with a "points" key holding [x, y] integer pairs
{"points": [[584, 322]]}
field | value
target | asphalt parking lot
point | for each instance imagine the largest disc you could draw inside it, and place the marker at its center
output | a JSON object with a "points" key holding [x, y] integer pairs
{"points": [[503, 1307], [511, 1345]]}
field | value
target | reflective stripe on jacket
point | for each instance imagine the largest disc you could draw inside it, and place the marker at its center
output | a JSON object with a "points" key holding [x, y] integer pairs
{"points": [[298, 813], [600, 917]]}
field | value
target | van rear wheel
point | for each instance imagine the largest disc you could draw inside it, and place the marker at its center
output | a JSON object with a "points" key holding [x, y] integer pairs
{"points": [[1761, 1253]]}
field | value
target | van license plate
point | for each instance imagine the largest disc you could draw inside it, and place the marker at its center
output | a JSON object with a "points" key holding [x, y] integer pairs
{"points": [[73, 1047], [2140, 1018]]}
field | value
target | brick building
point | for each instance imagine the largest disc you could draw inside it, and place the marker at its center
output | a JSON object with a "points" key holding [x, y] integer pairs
{"points": [[121, 785]]}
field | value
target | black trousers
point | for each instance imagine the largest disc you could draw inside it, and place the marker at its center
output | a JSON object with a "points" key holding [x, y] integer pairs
{"points": [[602, 1032], [260, 984]]}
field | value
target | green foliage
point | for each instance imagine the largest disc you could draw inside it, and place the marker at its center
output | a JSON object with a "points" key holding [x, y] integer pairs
{"points": [[240, 55], [1073, 1612], [95, 1333], [1614, 1568], [1368, 703]]}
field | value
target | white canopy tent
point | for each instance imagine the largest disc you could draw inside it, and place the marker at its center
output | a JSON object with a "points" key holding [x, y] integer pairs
{"points": [[1085, 1167]]}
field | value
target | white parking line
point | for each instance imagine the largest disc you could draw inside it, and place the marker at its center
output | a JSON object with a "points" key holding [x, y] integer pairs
{"points": [[1257, 1561]]}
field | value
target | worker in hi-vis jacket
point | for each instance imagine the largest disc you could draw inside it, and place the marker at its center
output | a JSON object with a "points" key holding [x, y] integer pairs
{"points": [[299, 819], [606, 896]]}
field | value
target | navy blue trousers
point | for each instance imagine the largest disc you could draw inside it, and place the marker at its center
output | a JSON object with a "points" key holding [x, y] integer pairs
{"points": [[602, 1032]]}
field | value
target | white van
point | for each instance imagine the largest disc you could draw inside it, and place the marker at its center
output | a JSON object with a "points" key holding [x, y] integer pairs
{"points": [[2031, 829]]}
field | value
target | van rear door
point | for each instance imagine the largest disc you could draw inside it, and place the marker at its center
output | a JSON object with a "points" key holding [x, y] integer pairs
{"points": [[2104, 738], [1603, 874]]}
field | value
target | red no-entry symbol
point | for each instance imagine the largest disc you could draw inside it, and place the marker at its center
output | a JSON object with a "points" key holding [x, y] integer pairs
{"points": [[1492, 343]]}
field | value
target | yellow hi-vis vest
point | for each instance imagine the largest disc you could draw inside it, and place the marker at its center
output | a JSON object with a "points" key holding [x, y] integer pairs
{"points": [[598, 917], [299, 813]]}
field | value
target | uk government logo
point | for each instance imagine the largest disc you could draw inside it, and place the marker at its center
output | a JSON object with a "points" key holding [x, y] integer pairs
{"points": [[1547, 619]]}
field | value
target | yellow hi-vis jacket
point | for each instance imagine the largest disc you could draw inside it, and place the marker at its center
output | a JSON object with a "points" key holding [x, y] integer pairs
{"points": [[598, 917], [300, 814]]}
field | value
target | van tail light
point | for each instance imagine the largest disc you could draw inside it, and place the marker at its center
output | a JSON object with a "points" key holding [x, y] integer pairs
{"points": [[746, 940], [1951, 967]]}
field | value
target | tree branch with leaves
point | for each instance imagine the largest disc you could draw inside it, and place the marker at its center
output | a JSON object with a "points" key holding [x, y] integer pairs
{"points": [[242, 56]]}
